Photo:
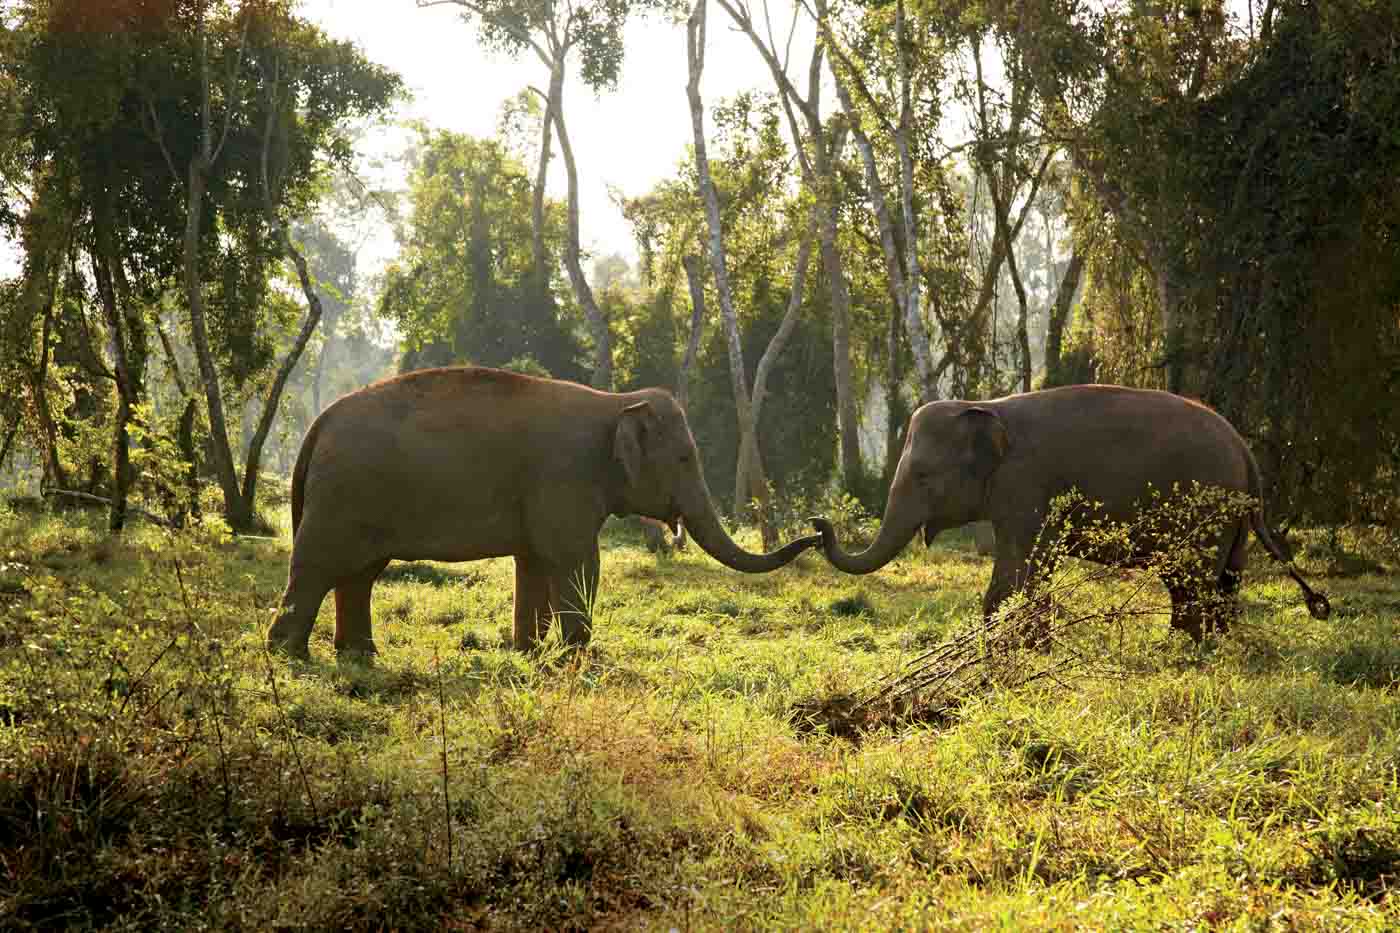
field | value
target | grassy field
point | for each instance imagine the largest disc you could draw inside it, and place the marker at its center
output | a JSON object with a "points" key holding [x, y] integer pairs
{"points": [[161, 771]]}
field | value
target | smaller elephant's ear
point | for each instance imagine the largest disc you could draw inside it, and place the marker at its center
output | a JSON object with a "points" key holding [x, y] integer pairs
{"points": [[629, 438], [990, 442]]}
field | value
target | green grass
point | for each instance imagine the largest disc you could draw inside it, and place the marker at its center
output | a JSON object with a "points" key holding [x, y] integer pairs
{"points": [[159, 770]]}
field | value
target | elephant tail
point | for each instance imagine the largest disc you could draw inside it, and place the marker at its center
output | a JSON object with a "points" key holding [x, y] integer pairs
{"points": [[1318, 605], [308, 444]]}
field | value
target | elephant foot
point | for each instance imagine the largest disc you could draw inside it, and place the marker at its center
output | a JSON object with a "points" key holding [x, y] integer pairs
{"points": [[295, 645], [356, 652]]}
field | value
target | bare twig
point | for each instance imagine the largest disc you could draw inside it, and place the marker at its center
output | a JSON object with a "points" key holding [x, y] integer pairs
{"points": [[442, 723], [291, 739]]}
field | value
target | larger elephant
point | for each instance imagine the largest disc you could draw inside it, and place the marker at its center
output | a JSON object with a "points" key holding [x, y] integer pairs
{"points": [[466, 463], [1005, 460]]}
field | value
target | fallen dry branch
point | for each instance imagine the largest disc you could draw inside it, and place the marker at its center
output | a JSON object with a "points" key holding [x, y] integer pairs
{"points": [[1029, 638], [131, 509]]}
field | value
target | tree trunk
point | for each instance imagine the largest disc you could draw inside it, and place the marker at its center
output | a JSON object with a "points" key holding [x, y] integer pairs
{"points": [[818, 171], [896, 416], [848, 422], [913, 305], [10, 433], [539, 265], [317, 378], [270, 192], [597, 321], [1059, 317], [44, 234], [695, 279], [903, 284], [128, 333], [750, 480], [239, 516], [125, 370], [1023, 340], [1169, 294]]}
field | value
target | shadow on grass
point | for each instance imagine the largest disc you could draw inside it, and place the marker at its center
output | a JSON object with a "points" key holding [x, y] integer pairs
{"points": [[847, 716]]}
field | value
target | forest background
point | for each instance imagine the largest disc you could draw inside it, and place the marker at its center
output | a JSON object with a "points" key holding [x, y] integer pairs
{"points": [[222, 218]]}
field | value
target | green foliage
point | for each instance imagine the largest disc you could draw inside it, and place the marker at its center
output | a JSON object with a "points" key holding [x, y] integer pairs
{"points": [[1242, 171], [464, 288]]}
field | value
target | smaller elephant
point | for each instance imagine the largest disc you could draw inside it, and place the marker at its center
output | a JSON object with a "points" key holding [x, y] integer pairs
{"points": [[465, 463], [1004, 461], [659, 537]]}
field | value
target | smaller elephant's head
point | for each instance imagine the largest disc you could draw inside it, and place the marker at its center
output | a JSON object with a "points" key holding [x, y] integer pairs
{"points": [[951, 451], [664, 480]]}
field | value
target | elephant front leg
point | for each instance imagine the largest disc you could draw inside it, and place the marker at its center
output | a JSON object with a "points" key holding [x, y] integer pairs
{"points": [[532, 610], [573, 594], [1020, 568]]}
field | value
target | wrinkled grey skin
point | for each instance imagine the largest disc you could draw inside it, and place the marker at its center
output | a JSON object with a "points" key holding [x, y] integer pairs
{"points": [[466, 463], [1004, 460]]}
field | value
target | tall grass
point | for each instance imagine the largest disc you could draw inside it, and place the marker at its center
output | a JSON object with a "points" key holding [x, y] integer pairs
{"points": [[160, 771]]}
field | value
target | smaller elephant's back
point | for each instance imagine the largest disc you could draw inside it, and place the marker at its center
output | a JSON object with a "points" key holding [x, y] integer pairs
{"points": [[1114, 443]]}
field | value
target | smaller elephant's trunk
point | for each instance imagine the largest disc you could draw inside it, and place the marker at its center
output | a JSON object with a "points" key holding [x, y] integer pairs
{"points": [[895, 533], [704, 528]]}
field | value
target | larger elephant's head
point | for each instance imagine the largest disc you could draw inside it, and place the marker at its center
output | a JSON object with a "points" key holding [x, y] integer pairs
{"points": [[664, 481], [951, 451]]}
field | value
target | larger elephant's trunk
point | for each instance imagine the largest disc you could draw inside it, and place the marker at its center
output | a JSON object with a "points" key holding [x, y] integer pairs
{"points": [[896, 530], [703, 525]]}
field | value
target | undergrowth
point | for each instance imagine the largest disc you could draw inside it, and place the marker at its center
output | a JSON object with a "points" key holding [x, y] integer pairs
{"points": [[701, 765]]}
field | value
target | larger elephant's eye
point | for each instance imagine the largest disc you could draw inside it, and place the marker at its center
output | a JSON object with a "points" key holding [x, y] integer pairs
{"points": [[685, 458]]}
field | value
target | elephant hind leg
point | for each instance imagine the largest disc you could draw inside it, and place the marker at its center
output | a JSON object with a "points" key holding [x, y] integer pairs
{"points": [[353, 628], [306, 589]]}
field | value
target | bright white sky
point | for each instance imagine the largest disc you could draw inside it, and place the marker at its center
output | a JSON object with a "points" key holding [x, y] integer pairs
{"points": [[627, 139]]}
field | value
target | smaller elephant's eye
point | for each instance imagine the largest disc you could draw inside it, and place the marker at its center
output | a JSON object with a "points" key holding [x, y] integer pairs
{"points": [[685, 458]]}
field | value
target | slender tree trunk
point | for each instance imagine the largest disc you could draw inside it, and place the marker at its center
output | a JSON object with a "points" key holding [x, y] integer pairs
{"points": [[279, 382], [1169, 294], [10, 433], [539, 266], [903, 284], [749, 478], [271, 186], [894, 405], [592, 313], [171, 362], [913, 305], [125, 383], [696, 281], [44, 234], [41, 290], [328, 343], [128, 332], [1059, 317], [201, 163], [1023, 340], [234, 510], [817, 159], [765, 366], [847, 418]]}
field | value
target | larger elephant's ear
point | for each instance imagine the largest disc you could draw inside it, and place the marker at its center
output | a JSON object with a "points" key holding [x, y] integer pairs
{"points": [[629, 439], [990, 442]]}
